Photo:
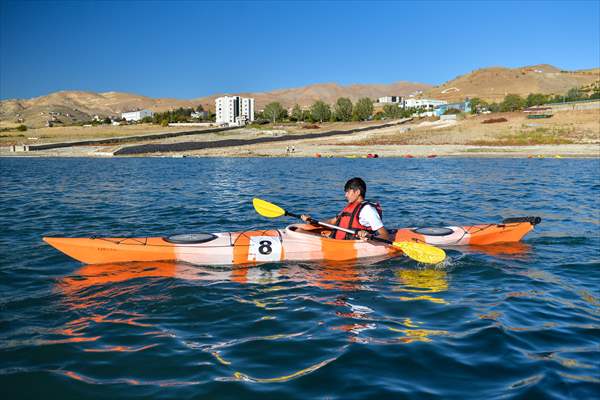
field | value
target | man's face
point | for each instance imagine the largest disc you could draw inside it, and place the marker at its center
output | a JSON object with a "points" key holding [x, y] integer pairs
{"points": [[352, 195]]}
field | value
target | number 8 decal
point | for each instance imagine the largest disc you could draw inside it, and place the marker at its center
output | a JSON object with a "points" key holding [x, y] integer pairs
{"points": [[264, 248]]}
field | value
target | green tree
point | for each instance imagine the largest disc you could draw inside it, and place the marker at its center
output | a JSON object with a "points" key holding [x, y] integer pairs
{"points": [[320, 111], [477, 105], [296, 113], [512, 102], [343, 109], [179, 115], [274, 111], [199, 108], [574, 94], [392, 111], [535, 99], [363, 109], [307, 116], [494, 107], [107, 120], [21, 128], [408, 112]]}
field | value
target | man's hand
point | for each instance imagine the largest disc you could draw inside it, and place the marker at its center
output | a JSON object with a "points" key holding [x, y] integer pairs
{"points": [[363, 235], [305, 217]]}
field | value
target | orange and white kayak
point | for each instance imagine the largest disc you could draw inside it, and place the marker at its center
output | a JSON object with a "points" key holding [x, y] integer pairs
{"points": [[296, 242]]}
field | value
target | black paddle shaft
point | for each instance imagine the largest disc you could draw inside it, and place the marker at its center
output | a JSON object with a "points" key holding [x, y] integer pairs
{"points": [[313, 221]]}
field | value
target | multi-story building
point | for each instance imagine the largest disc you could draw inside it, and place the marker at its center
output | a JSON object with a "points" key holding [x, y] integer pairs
{"points": [[234, 110], [136, 115], [390, 99]]}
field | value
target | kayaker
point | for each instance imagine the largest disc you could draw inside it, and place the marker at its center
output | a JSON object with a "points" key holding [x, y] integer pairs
{"points": [[358, 214]]}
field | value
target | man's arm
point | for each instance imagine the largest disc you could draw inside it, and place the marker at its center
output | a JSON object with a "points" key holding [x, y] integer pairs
{"points": [[383, 233], [370, 217], [330, 221]]}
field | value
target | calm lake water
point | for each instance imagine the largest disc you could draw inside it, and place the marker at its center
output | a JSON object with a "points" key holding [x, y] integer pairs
{"points": [[512, 322]]}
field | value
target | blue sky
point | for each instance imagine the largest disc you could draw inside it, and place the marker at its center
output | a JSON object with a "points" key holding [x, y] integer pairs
{"points": [[192, 49]]}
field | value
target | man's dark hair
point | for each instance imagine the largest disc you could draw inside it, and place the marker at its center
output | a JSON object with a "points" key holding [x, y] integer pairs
{"points": [[356, 184]]}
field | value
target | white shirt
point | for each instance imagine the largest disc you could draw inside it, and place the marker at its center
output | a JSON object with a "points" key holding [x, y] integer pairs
{"points": [[370, 218]]}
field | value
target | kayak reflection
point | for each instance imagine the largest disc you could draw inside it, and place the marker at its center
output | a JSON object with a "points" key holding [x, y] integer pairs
{"points": [[340, 275], [501, 250], [92, 292]]}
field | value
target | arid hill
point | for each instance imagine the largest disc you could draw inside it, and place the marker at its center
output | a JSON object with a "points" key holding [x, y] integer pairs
{"points": [[82, 106], [492, 84], [487, 83], [77, 106]]}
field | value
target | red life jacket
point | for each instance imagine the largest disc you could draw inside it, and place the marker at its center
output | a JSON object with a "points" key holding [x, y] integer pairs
{"points": [[349, 219]]}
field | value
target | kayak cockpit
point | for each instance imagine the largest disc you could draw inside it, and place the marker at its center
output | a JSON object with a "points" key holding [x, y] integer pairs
{"points": [[308, 229], [190, 238]]}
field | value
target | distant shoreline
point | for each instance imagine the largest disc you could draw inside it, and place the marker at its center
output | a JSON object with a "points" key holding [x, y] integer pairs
{"points": [[330, 151], [568, 134]]}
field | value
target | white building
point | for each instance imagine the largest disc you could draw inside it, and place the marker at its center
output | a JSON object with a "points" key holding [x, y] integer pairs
{"points": [[199, 114], [390, 99], [234, 110], [425, 104], [136, 115]]}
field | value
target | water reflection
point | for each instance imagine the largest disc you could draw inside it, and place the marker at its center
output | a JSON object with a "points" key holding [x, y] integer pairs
{"points": [[516, 250], [92, 287], [101, 296], [94, 295], [419, 284], [345, 276]]}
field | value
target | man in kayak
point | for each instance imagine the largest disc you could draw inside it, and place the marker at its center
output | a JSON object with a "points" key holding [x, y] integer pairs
{"points": [[359, 214]]}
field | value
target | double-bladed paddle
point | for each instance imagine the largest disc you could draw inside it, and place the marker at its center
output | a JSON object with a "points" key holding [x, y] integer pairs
{"points": [[421, 252]]}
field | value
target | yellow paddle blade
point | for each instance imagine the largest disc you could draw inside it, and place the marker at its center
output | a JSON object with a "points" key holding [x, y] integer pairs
{"points": [[267, 209], [421, 252]]}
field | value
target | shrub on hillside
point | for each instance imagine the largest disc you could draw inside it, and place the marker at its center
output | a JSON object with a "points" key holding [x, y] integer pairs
{"points": [[21, 128]]}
